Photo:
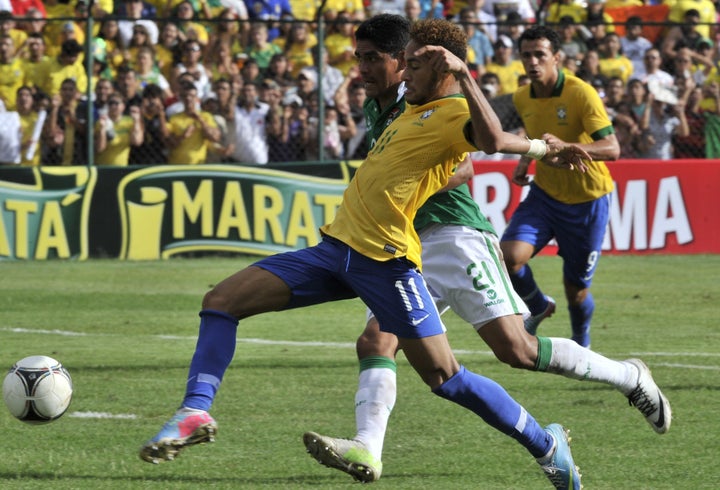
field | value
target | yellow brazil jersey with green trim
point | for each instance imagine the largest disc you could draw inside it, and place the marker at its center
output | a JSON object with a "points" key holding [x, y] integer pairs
{"points": [[574, 113], [410, 162]]}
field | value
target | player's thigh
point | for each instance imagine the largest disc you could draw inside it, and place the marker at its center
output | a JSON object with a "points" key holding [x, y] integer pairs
{"points": [[464, 268], [531, 223], [580, 237], [397, 294], [311, 274]]}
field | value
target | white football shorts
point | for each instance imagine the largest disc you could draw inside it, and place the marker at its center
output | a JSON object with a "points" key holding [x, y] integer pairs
{"points": [[464, 270]]}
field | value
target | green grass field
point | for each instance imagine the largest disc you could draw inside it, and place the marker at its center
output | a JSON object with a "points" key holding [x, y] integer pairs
{"points": [[126, 331]]}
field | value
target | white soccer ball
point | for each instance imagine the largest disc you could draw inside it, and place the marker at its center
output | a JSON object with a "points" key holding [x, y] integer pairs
{"points": [[37, 390]]}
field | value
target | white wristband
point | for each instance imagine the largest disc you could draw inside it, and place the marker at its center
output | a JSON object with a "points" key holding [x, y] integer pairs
{"points": [[537, 150]]}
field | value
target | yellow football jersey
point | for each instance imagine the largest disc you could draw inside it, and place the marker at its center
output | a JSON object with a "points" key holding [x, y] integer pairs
{"points": [[411, 161], [574, 113]]}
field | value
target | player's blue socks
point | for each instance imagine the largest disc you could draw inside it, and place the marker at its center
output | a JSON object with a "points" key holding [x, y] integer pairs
{"points": [[580, 317], [490, 401], [214, 351], [524, 284]]}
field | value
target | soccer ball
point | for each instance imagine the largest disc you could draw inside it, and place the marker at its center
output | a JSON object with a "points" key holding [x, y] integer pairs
{"points": [[37, 390]]}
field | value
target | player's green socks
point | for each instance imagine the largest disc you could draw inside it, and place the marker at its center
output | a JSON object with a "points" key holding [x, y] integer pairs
{"points": [[374, 401]]}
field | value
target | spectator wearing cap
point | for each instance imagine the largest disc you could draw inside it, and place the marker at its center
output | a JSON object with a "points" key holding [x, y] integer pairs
{"points": [[514, 27], [613, 63], [706, 14], [664, 117], [504, 66], [191, 131], [634, 45], [12, 75], [66, 65]]}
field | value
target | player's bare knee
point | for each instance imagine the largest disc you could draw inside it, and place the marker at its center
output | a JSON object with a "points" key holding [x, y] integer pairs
{"points": [[518, 356], [373, 342]]}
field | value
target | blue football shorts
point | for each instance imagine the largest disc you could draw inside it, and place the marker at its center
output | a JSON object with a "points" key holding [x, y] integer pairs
{"points": [[395, 290], [579, 230]]}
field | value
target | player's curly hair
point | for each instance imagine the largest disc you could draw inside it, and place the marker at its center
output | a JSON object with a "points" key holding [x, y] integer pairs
{"points": [[440, 32], [388, 32]]}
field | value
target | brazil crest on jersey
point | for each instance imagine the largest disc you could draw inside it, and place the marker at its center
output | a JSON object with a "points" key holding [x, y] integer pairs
{"points": [[574, 113], [413, 158]]}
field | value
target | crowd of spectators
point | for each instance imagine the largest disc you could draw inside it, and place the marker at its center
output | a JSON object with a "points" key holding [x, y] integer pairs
{"points": [[223, 81]]}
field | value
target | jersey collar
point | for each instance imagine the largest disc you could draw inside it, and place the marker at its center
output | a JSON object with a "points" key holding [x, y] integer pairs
{"points": [[557, 89]]}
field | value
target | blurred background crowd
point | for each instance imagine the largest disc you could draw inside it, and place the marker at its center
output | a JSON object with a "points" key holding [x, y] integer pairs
{"points": [[129, 82]]}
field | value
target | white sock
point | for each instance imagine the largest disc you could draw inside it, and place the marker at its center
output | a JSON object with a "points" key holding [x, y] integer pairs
{"points": [[374, 400], [574, 361]]}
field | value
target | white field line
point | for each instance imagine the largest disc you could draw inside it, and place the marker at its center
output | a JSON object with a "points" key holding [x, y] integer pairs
{"points": [[102, 415], [348, 345]]}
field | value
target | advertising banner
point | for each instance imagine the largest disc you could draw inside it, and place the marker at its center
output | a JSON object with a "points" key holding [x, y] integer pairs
{"points": [[157, 212], [657, 207]]}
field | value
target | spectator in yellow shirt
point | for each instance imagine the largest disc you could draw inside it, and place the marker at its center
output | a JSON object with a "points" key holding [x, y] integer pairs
{"points": [[66, 65], [115, 133], [11, 72], [613, 63], [192, 131]]}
